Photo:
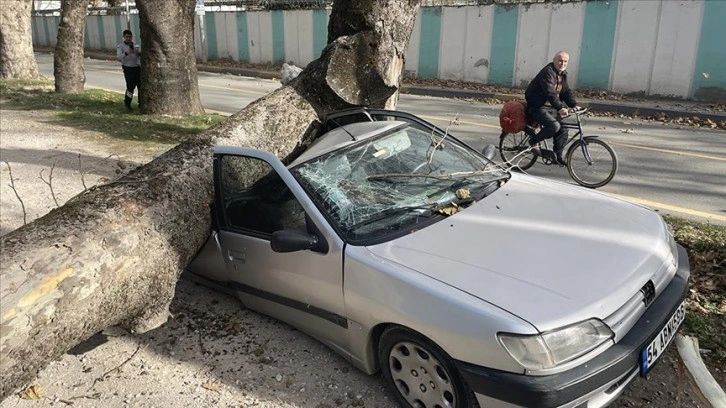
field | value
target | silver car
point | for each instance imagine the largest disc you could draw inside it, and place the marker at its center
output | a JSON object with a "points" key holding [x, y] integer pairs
{"points": [[406, 251]]}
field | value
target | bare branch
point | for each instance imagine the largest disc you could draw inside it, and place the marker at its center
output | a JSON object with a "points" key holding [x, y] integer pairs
{"points": [[514, 161], [83, 173], [438, 143], [118, 367], [50, 183], [119, 162], [12, 186]]}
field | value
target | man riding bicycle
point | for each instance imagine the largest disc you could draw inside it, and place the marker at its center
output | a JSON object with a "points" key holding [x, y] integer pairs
{"points": [[550, 86]]}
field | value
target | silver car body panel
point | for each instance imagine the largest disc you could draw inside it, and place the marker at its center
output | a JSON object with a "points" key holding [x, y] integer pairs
{"points": [[563, 253], [379, 291], [541, 240], [284, 285]]}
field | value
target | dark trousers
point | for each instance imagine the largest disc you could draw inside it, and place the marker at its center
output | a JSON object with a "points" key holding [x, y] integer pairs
{"points": [[551, 128], [132, 75]]}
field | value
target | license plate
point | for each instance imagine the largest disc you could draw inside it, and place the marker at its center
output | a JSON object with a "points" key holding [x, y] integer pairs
{"points": [[657, 347]]}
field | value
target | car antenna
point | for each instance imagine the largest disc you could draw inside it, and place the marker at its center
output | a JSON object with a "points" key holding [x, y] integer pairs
{"points": [[343, 127]]}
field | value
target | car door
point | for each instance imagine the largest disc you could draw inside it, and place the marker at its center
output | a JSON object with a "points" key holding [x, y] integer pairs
{"points": [[255, 195]]}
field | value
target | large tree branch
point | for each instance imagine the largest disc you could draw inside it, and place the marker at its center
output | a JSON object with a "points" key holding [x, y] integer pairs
{"points": [[112, 255]]}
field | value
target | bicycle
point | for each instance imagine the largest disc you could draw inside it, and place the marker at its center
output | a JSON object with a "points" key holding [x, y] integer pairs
{"points": [[591, 162]]}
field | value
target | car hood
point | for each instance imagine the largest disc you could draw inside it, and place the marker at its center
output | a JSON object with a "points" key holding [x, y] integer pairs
{"points": [[548, 252]]}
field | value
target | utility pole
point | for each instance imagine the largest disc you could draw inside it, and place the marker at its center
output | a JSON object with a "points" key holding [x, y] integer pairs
{"points": [[199, 10], [128, 16]]}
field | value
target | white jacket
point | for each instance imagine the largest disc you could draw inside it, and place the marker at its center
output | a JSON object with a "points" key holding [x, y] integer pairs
{"points": [[127, 59]]}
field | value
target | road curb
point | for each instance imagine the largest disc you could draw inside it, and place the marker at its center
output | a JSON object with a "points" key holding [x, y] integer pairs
{"points": [[239, 71], [708, 390], [639, 110]]}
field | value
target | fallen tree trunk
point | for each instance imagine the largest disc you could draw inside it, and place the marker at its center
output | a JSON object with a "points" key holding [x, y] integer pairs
{"points": [[112, 255]]}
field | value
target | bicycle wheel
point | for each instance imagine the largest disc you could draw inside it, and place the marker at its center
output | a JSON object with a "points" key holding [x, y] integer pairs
{"points": [[514, 149], [599, 170]]}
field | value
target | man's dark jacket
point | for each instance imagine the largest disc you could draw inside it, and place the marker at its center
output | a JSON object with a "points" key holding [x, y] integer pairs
{"points": [[543, 88]]}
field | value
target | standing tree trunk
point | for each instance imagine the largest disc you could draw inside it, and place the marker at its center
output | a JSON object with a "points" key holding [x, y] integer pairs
{"points": [[168, 65], [112, 255], [68, 57], [16, 41], [380, 49]]}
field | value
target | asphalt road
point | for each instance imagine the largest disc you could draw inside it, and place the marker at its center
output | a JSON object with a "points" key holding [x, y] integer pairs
{"points": [[677, 170]]}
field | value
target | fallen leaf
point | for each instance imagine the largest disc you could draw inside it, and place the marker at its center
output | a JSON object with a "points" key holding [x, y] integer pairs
{"points": [[450, 209], [463, 193], [213, 385], [709, 284], [33, 392], [231, 327]]}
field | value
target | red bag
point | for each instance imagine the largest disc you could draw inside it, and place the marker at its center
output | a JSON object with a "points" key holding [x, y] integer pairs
{"points": [[513, 117]]}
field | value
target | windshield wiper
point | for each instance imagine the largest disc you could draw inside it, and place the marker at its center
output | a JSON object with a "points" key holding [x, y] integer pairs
{"points": [[388, 176], [445, 176], [432, 207]]}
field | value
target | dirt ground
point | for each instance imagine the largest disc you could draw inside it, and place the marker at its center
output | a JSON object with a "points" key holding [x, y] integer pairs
{"points": [[212, 351]]}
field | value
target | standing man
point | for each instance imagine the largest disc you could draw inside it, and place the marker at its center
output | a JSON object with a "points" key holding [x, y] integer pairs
{"points": [[550, 87], [129, 55]]}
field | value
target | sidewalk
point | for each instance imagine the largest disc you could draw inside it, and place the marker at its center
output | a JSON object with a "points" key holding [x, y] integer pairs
{"points": [[699, 112]]}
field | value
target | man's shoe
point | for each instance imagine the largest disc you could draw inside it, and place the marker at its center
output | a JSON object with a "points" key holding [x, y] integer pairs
{"points": [[561, 161], [129, 108]]}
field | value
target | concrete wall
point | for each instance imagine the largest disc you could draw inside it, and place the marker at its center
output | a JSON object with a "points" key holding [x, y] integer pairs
{"points": [[652, 47]]}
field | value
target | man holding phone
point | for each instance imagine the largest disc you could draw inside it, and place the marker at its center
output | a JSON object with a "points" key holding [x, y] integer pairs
{"points": [[129, 55]]}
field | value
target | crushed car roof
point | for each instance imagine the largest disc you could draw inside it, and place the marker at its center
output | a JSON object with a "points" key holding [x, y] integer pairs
{"points": [[346, 135]]}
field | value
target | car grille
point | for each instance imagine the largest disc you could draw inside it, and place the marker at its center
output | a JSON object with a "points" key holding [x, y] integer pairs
{"points": [[624, 318], [648, 291]]}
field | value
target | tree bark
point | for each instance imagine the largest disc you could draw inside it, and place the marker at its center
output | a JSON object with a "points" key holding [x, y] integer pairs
{"points": [[68, 56], [374, 37], [112, 255], [168, 64], [16, 41]]}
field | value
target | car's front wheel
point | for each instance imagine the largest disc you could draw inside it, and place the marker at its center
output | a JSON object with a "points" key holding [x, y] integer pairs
{"points": [[419, 373]]}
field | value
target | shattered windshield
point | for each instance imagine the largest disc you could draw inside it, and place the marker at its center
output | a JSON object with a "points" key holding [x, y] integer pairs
{"points": [[396, 180]]}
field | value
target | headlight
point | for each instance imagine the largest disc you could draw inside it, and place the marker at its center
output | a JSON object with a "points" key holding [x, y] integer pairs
{"points": [[674, 249], [550, 349]]}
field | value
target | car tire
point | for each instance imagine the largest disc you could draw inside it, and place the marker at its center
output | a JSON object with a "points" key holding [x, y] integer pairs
{"points": [[419, 373]]}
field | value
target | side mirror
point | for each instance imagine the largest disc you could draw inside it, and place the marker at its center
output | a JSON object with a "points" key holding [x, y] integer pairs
{"points": [[292, 241], [489, 151]]}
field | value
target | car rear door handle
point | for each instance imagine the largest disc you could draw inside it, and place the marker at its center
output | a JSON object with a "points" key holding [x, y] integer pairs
{"points": [[237, 256]]}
